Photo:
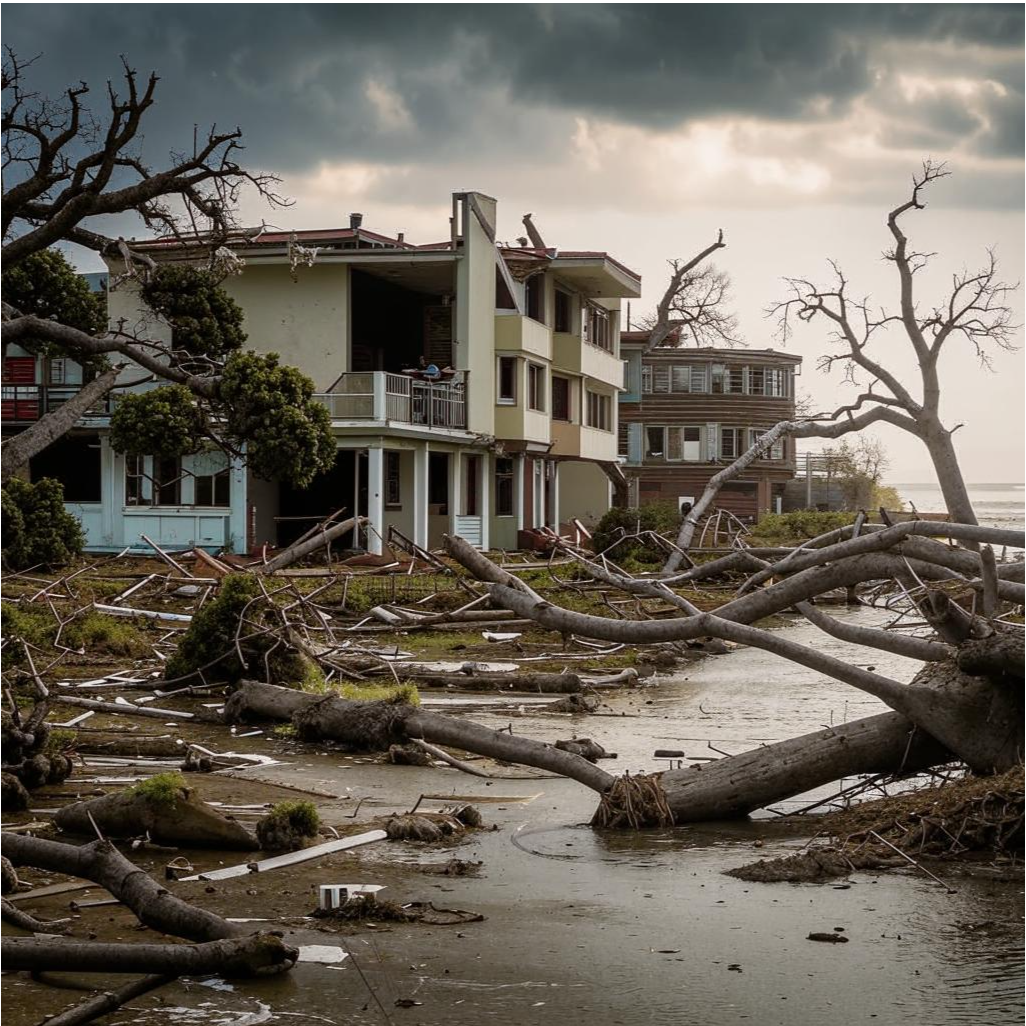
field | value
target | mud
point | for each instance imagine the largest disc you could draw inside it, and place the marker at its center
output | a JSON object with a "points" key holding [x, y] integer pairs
{"points": [[581, 925]]}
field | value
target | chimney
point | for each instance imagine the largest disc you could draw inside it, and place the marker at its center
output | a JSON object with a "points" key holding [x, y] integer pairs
{"points": [[401, 238], [355, 220]]}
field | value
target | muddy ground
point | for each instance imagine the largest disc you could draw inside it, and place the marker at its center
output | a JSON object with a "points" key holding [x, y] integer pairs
{"points": [[581, 925]]}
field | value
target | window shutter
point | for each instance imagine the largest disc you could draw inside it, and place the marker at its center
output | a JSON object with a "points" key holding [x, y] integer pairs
{"points": [[634, 439], [712, 442]]}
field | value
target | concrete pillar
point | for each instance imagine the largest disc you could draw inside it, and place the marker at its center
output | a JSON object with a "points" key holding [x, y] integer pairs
{"points": [[555, 495], [379, 379], [518, 491], [420, 496], [485, 505], [455, 489], [375, 499]]}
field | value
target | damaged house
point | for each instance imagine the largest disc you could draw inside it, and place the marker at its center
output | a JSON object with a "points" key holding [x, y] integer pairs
{"points": [[687, 413], [516, 430]]}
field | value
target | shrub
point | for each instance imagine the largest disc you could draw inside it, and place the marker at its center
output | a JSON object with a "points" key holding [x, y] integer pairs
{"points": [[38, 530], [801, 524], [300, 815], [661, 517]]}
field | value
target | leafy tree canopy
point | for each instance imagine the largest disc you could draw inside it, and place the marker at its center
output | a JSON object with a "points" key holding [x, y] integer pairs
{"points": [[37, 528]]}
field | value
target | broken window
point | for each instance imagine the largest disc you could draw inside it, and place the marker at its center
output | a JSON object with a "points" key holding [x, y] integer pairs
{"points": [[213, 489], [655, 443], [138, 491], [74, 460], [168, 480]]}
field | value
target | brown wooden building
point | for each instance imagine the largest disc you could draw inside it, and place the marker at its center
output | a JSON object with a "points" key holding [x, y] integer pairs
{"points": [[687, 413]]}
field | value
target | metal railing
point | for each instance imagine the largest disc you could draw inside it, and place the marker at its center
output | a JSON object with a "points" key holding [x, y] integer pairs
{"points": [[23, 404], [397, 398]]}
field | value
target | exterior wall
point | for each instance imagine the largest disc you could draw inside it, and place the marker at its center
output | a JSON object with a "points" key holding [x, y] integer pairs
{"points": [[110, 525], [307, 321], [660, 479], [584, 492], [475, 312]]}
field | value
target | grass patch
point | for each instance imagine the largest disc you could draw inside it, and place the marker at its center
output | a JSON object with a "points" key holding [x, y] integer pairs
{"points": [[91, 633], [162, 789], [298, 815], [403, 693]]}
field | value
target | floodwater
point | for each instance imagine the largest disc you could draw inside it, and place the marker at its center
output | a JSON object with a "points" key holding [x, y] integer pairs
{"points": [[609, 928]]}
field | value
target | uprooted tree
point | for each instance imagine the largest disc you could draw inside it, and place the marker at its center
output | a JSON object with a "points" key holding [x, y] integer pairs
{"points": [[975, 312], [64, 173]]}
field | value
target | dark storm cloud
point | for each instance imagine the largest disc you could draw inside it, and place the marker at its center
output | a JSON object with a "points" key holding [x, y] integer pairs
{"points": [[473, 76]]}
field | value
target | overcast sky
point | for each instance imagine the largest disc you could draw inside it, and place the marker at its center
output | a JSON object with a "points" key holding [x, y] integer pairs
{"points": [[635, 129]]}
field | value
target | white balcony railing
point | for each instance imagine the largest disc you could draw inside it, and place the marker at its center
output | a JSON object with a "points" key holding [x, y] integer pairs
{"points": [[398, 399]]}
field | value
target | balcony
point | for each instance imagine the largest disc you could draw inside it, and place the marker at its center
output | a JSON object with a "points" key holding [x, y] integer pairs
{"points": [[382, 397], [25, 404]]}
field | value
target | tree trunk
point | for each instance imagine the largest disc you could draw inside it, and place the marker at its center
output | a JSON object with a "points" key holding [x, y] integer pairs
{"points": [[109, 1001], [102, 863], [255, 955], [738, 784], [289, 556], [949, 473], [19, 449], [375, 726]]}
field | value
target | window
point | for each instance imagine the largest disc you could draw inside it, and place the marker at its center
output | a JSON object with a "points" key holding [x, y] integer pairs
{"points": [[168, 480], [471, 483], [504, 488], [777, 382], [599, 411], [598, 328], [683, 443], [507, 379], [534, 289], [623, 444], [393, 479], [58, 370], [719, 373], [699, 379], [560, 398], [213, 489], [756, 381], [646, 379], [536, 387], [137, 482], [736, 380], [731, 443], [680, 379], [655, 443], [776, 450], [564, 315]]}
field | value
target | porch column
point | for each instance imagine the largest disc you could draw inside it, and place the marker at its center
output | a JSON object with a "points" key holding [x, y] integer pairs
{"points": [[380, 410], [485, 503], [555, 495], [455, 488], [375, 498], [518, 491], [420, 496]]}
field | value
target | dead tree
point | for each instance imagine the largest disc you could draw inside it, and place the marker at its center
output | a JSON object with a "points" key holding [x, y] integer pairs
{"points": [[694, 306], [975, 312], [959, 706], [65, 168]]}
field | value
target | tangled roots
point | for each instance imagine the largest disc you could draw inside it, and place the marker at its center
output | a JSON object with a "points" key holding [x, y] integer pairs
{"points": [[634, 802]]}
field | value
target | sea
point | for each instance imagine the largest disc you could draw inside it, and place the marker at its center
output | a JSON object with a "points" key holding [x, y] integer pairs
{"points": [[996, 505]]}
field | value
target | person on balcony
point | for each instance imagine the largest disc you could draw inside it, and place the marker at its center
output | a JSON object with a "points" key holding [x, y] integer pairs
{"points": [[428, 371]]}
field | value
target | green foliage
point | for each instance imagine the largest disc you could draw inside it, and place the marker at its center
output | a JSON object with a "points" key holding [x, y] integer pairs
{"points": [[96, 632], [404, 693], [38, 530], [206, 321], [212, 632], [164, 421], [299, 815], [59, 741], [46, 285], [661, 517], [801, 524], [162, 789], [287, 433], [358, 597], [887, 497]]}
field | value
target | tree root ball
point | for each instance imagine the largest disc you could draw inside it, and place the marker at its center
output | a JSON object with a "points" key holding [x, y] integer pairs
{"points": [[289, 826], [14, 798], [428, 828]]}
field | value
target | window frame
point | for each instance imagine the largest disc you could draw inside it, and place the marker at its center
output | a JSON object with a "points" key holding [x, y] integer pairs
{"points": [[393, 479], [598, 409], [502, 399], [505, 478], [536, 387], [569, 418], [563, 306], [534, 297]]}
